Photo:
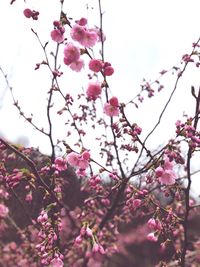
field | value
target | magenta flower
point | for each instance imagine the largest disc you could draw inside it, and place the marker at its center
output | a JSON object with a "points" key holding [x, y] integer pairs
{"points": [[108, 71], [57, 35], [71, 54], [112, 108], [28, 13], [95, 65], [90, 39], [94, 90], [73, 159], [60, 164], [165, 174], [78, 33]]}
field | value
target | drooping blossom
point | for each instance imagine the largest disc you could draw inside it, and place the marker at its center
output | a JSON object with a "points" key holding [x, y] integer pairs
{"points": [[165, 174], [154, 224], [95, 65], [60, 164], [98, 248], [71, 54], [112, 107], [94, 90]]}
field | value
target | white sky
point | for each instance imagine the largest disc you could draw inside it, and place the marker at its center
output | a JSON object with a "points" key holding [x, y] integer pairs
{"points": [[143, 37]]}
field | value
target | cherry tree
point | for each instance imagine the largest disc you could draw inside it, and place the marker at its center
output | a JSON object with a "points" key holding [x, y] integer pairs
{"points": [[72, 207]]}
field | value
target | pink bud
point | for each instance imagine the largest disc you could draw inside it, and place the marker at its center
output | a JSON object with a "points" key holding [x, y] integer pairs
{"points": [[114, 101], [108, 71], [28, 13]]}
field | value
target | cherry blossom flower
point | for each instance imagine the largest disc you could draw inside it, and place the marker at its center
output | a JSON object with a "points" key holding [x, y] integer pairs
{"points": [[90, 39], [108, 71], [112, 108], [60, 164], [71, 54], [73, 159], [77, 65], [165, 174], [28, 13], [94, 90], [57, 35], [78, 33], [95, 65]]}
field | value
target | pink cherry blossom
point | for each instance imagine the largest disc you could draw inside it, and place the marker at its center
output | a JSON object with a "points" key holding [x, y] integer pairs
{"points": [[60, 164], [71, 54], [90, 39], [28, 13], [168, 177], [165, 174], [73, 159], [108, 71], [94, 90], [95, 65], [57, 35], [77, 65], [78, 33], [111, 109]]}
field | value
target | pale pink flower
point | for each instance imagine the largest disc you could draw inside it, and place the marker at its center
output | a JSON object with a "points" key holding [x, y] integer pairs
{"points": [[78, 33], [95, 65], [3, 211], [57, 35], [165, 174], [168, 177], [73, 159], [152, 237], [60, 164], [90, 39], [112, 108], [77, 65], [94, 90], [57, 262], [71, 54]]}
